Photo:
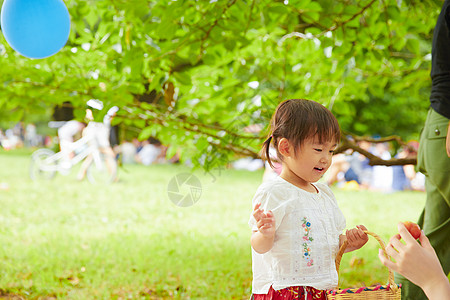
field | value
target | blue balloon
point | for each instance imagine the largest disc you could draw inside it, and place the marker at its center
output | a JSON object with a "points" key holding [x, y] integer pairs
{"points": [[35, 28]]}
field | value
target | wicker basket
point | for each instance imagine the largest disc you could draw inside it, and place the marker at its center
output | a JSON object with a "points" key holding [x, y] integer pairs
{"points": [[391, 291]]}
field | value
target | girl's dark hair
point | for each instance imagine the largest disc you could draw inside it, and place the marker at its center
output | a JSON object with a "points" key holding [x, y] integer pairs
{"points": [[298, 120]]}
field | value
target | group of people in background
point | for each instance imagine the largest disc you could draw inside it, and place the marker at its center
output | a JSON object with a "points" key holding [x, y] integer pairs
{"points": [[352, 170], [21, 135], [146, 152]]}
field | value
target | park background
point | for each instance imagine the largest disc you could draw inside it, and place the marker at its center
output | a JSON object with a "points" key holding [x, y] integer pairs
{"points": [[195, 75]]}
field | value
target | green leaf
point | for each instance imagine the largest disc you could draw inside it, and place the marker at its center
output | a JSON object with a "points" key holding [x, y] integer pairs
{"points": [[166, 28], [145, 133], [222, 46], [183, 78], [140, 124], [311, 16], [171, 151], [351, 10], [314, 6], [413, 45], [279, 9]]}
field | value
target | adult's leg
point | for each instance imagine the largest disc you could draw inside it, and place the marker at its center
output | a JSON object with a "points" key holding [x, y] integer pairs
{"points": [[435, 218]]}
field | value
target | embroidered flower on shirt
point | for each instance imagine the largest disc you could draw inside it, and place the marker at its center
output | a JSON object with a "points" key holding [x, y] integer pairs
{"points": [[307, 241]]}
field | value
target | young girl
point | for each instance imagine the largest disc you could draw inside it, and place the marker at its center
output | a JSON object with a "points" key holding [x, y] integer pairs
{"points": [[296, 222]]}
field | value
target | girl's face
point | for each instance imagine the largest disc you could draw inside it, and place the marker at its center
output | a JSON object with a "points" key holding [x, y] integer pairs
{"points": [[309, 164]]}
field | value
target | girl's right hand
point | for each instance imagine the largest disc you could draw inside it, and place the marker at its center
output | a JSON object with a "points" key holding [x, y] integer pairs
{"points": [[264, 221]]}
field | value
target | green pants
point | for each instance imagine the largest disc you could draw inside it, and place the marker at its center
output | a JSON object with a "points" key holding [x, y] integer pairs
{"points": [[435, 218]]}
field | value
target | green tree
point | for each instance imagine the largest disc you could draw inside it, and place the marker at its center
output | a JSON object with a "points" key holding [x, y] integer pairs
{"points": [[196, 73]]}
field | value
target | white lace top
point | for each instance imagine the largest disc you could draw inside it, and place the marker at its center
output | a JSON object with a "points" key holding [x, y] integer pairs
{"points": [[308, 226]]}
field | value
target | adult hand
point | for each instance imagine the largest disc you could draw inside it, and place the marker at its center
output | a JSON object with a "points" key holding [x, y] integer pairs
{"points": [[417, 262], [447, 144]]}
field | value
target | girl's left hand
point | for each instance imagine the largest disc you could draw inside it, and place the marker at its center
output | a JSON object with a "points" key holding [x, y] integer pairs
{"points": [[356, 237]]}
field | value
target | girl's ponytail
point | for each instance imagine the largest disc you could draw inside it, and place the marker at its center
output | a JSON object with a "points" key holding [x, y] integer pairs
{"points": [[266, 150]]}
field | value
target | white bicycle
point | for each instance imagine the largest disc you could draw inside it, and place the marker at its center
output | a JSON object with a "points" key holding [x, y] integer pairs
{"points": [[102, 168]]}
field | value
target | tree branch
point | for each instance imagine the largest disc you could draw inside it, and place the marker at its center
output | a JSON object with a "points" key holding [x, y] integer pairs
{"points": [[373, 159], [184, 122], [332, 28], [339, 24], [208, 32], [249, 17]]}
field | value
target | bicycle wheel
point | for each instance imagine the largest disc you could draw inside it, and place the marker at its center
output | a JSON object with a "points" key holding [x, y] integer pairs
{"points": [[102, 171], [41, 167]]}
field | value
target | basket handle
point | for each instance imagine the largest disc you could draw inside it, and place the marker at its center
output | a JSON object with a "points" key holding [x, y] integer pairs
{"points": [[383, 247]]}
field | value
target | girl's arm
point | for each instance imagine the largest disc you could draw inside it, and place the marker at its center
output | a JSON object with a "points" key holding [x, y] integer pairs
{"points": [[261, 243], [355, 237], [262, 240]]}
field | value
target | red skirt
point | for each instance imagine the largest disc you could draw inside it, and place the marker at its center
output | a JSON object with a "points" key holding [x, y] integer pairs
{"points": [[292, 293]]}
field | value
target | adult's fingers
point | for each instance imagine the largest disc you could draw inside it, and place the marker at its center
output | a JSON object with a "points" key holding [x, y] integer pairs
{"points": [[386, 261], [447, 141], [404, 233], [392, 252], [424, 241], [396, 243], [395, 237]]}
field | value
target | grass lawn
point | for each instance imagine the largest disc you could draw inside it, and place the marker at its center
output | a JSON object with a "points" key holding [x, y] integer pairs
{"points": [[72, 240]]}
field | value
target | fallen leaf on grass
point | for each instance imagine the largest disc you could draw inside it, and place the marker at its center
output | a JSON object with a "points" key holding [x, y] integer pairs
{"points": [[74, 280], [357, 262]]}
